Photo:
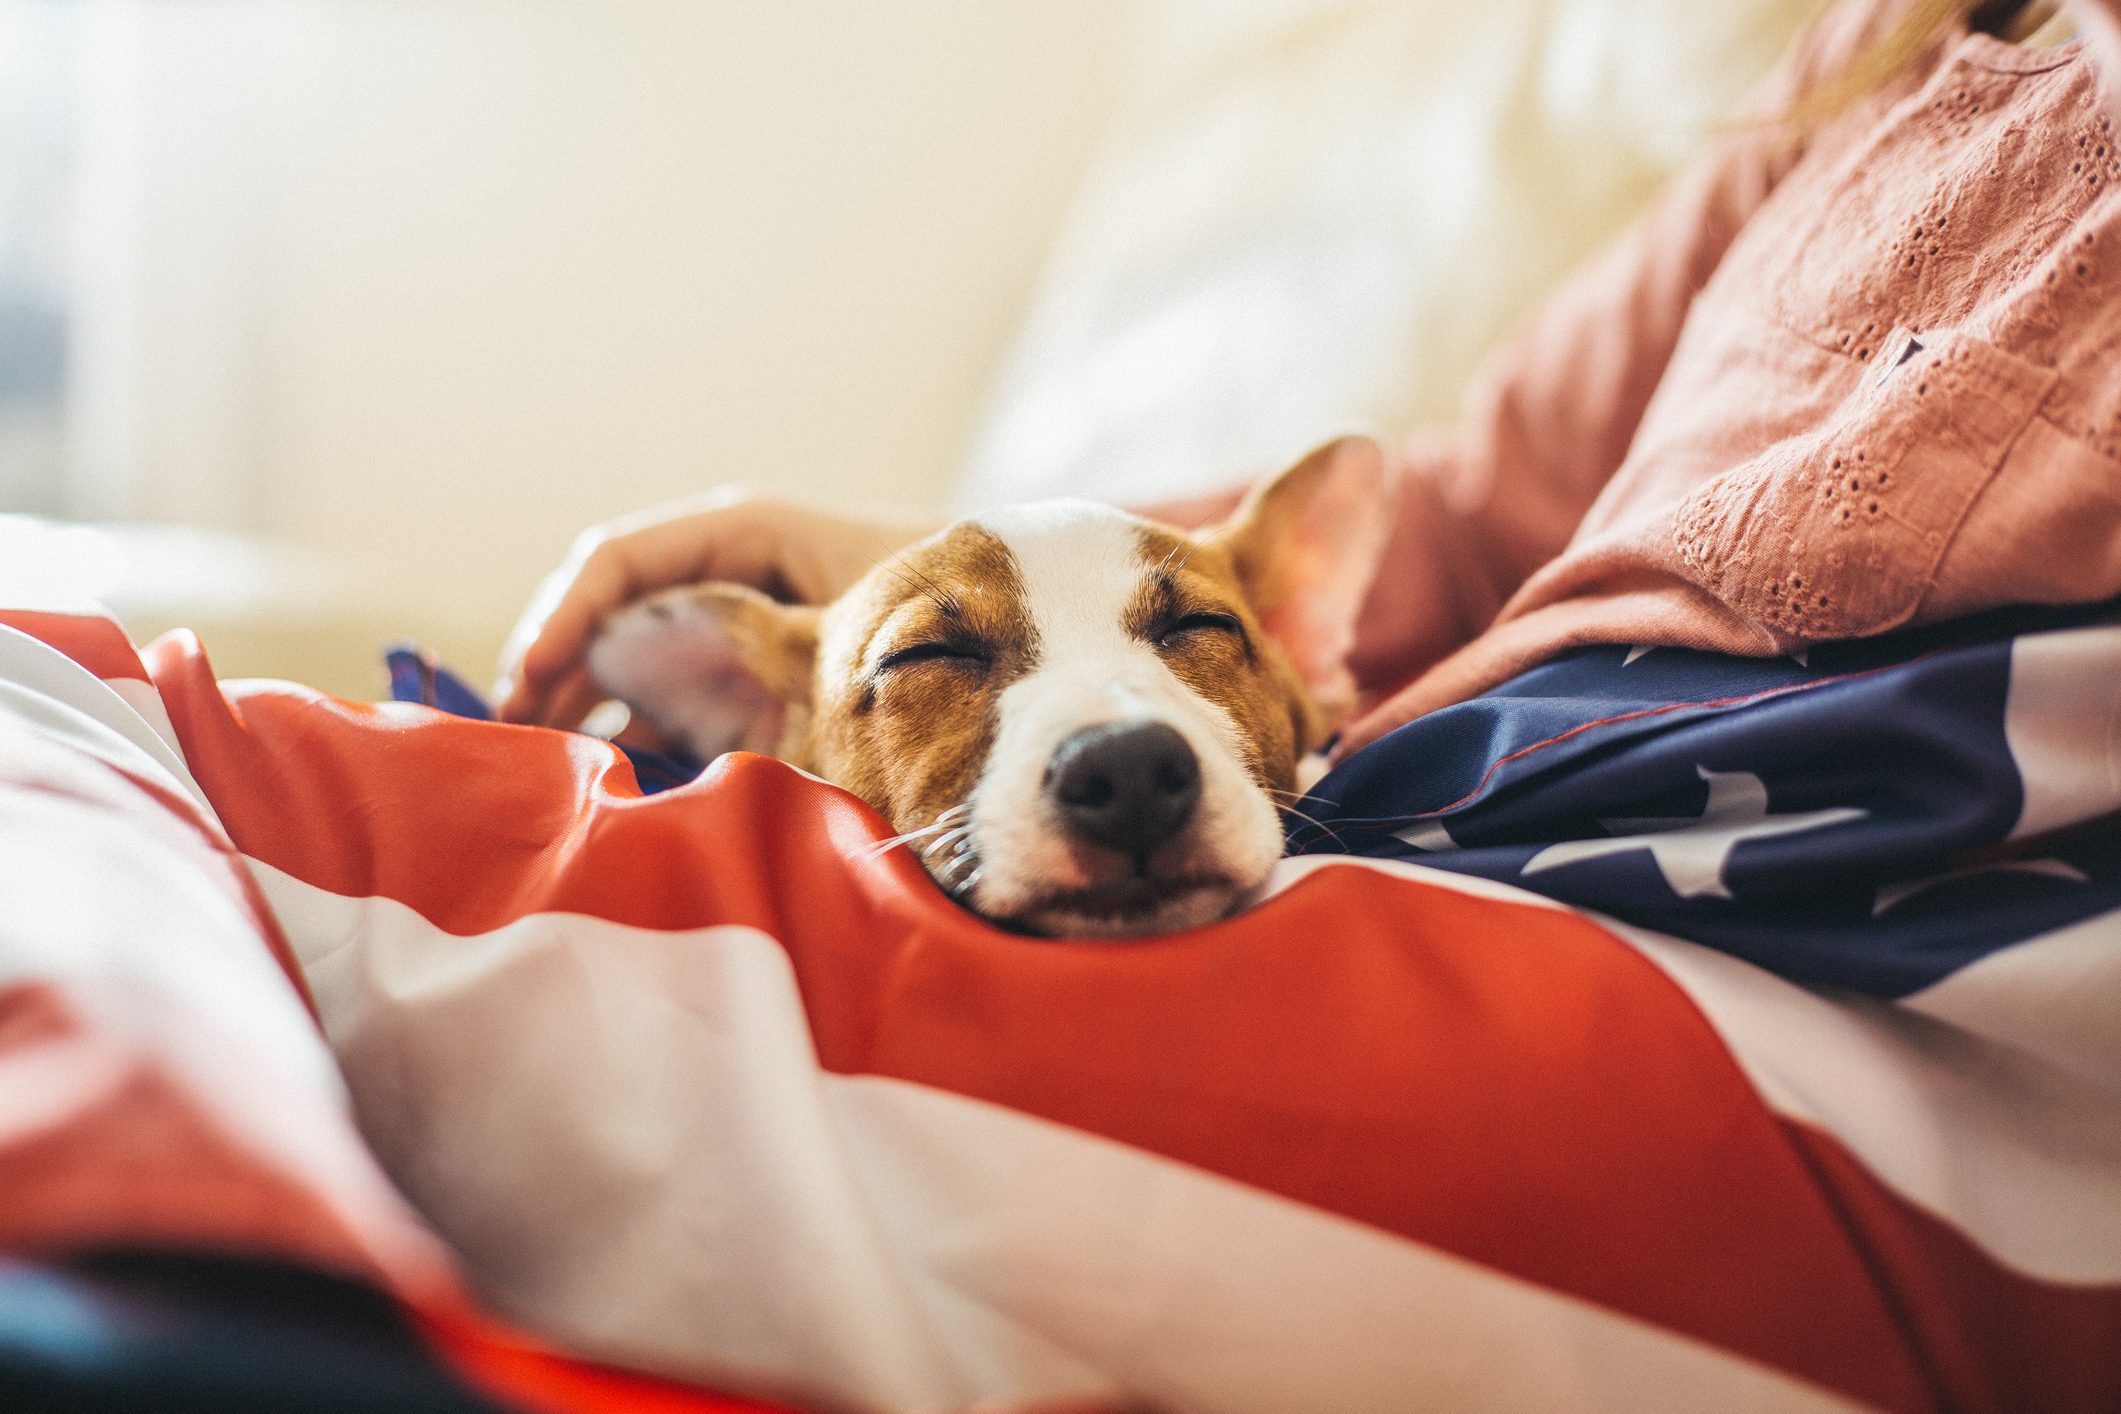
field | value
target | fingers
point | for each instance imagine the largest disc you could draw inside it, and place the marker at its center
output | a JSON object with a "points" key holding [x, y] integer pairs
{"points": [[564, 702], [549, 641], [609, 568], [643, 735]]}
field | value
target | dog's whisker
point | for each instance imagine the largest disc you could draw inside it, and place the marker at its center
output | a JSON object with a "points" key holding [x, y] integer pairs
{"points": [[958, 837], [882, 847], [920, 582], [943, 821], [957, 851], [1310, 819], [893, 566], [1190, 546]]}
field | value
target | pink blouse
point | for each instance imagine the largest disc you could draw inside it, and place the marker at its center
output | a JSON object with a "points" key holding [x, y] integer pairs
{"points": [[1834, 383]]}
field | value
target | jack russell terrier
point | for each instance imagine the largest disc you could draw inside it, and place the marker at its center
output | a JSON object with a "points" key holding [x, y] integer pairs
{"points": [[1081, 720]]}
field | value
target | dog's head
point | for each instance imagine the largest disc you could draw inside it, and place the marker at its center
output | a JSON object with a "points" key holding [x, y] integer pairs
{"points": [[1080, 720]]}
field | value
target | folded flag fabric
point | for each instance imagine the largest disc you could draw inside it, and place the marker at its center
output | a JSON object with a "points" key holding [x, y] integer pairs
{"points": [[703, 1084], [188, 1219], [1874, 818]]}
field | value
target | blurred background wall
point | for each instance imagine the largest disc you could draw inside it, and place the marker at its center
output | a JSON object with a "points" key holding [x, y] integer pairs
{"points": [[412, 292], [355, 311]]}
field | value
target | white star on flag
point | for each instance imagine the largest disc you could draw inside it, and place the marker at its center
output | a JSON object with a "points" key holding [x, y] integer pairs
{"points": [[1692, 851], [1429, 835], [1802, 657]]}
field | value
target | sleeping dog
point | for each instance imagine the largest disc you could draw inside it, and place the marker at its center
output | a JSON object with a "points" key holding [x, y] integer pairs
{"points": [[1079, 719]]}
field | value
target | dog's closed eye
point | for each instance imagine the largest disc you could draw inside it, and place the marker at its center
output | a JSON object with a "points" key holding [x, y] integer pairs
{"points": [[1180, 630], [957, 652]]}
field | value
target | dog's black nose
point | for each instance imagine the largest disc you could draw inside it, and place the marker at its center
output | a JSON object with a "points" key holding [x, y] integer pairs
{"points": [[1127, 786]]}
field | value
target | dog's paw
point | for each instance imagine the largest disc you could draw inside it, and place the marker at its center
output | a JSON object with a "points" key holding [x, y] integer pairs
{"points": [[671, 659]]}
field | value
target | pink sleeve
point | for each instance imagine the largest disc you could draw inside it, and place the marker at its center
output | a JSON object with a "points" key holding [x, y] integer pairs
{"points": [[1549, 419]]}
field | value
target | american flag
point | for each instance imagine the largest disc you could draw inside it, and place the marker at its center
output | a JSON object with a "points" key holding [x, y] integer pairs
{"points": [[1874, 815], [1657, 1033]]}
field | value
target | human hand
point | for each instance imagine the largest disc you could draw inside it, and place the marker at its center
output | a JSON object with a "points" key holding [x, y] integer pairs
{"points": [[787, 548]]}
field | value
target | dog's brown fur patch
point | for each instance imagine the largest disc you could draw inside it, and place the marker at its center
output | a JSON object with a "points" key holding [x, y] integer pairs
{"points": [[1246, 674], [911, 739]]}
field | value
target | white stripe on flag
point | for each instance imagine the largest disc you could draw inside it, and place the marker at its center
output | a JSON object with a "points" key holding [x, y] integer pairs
{"points": [[2062, 720], [123, 723], [2056, 997], [1289, 871], [2019, 1155]]}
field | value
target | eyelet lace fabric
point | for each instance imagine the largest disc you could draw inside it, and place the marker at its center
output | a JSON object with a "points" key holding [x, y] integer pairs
{"points": [[1878, 382]]}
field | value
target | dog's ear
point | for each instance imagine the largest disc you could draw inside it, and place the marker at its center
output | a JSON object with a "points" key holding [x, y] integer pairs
{"points": [[1306, 545], [717, 666]]}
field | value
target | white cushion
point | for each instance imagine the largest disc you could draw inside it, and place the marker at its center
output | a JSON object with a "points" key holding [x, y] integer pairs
{"points": [[1319, 215]]}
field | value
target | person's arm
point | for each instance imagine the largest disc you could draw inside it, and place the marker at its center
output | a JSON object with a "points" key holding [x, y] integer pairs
{"points": [[1550, 418]]}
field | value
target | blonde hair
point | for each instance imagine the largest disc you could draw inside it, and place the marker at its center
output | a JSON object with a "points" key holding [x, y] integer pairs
{"points": [[1871, 69]]}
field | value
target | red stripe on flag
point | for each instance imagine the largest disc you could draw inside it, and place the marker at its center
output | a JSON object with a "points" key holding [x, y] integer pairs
{"points": [[96, 643], [1990, 1339]]}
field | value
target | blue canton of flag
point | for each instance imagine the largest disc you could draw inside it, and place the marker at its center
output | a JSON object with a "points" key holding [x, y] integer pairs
{"points": [[1872, 817]]}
